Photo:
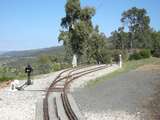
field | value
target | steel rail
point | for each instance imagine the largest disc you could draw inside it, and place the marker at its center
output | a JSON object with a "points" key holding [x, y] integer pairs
{"points": [[68, 79], [68, 109]]}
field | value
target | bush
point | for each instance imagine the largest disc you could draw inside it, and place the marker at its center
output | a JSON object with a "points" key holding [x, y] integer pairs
{"points": [[107, 57], [135, 56], [145, 53], [56, 66], [140, 54], [156, 53], [44, 68]]}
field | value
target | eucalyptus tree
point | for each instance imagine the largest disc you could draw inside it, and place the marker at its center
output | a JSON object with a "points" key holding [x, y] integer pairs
{"points": [[76, 26], [72, 10], [137, 22]]}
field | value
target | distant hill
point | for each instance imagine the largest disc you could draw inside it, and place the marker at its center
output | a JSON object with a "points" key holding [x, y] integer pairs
{"points": [[1, 52], [59, 50]]}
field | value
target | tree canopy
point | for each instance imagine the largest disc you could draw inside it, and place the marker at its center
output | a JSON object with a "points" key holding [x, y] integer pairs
{"points": [[78, 33], [137, 22]]}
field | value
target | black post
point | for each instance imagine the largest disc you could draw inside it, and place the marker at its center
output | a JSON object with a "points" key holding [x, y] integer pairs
{"points": [[28, 70], [29, 80]]}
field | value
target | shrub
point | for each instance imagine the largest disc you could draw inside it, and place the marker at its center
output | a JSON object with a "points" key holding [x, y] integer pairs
{"points": [[44, 68], [140, 54], [156, 53], [107, 57], [135, 56], [56, 66], [145, 53]]}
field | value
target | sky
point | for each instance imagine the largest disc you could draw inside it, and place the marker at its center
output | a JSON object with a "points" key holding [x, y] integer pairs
{"points": [[32, 24]]}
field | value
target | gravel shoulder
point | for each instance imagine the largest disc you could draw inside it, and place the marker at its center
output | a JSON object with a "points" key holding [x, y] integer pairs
{"points": [[130, 96]]}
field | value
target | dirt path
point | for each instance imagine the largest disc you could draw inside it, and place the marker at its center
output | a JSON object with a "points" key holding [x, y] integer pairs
{"points": [[132, 96]]}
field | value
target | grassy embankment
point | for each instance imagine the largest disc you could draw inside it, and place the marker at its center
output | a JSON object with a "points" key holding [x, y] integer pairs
{"points": [[127, 66]]}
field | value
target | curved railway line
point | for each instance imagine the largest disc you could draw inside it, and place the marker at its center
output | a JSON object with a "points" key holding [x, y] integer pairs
{"points": [[61, 85]]}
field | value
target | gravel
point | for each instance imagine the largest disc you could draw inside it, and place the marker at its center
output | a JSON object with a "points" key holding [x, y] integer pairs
{"points": [[83, 81], [20, 105], [125, 97]]}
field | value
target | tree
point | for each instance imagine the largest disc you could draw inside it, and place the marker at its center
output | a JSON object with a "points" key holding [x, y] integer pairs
{"points": [[137, 22], [96, 46], [65, 37], [155, 36], [86, 15], [77, 26], [156, 40], [120, 39], [72, 9]]}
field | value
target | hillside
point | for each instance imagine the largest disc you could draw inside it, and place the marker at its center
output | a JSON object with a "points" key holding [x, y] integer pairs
{"points": [[1, 52], [32, 53]]}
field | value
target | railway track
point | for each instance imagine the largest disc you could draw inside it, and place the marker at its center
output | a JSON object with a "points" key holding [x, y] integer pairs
{"points": [[60, 86]]}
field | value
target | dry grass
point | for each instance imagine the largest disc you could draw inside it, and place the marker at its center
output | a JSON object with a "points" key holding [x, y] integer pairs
{"points": [[5, 84], [149, 67]]}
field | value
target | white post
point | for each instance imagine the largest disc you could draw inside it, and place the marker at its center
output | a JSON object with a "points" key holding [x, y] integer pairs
{"points": [[120, 60], [74, 61]]}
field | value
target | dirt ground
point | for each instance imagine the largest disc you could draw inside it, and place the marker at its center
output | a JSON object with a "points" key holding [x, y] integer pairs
{"points": [[149, 67], [153, 104], [5, 84]]}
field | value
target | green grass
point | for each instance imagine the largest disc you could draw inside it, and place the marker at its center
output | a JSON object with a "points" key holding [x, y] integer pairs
{"points": [[127, 66], [2, 79]]}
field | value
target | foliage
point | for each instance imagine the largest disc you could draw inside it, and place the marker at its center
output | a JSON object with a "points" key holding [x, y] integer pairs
{"points": [[145, 53], [43, 59], [44, 68], [72, 9], [135, 56], [56, 66], [156, 40], [155, 43], [137, 22], [120, 39], [78, 34], [96, 47], [44, 63], [156, 53], [139, 35]]}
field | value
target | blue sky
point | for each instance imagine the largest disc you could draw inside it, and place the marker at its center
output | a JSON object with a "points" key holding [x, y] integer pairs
{"points": [[31, 24]]}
